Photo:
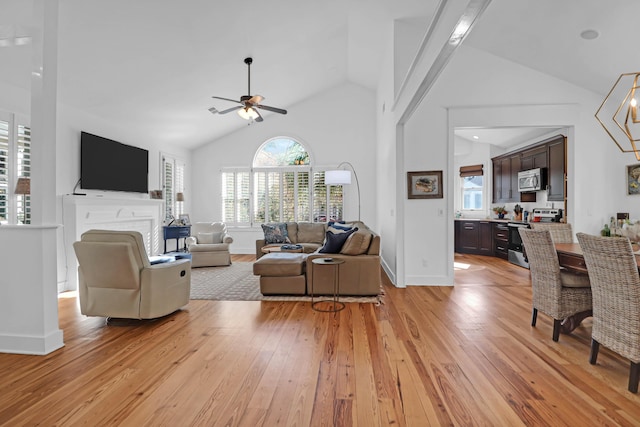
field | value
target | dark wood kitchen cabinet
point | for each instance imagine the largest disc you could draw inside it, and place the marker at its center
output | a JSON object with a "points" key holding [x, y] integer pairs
{"points": [[500, 240], [474, 237], [534, 158], [549, 155], [505, 178], [556, 170]]}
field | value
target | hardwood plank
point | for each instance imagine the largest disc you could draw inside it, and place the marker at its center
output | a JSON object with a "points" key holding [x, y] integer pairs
{"points": [[457, 355]]}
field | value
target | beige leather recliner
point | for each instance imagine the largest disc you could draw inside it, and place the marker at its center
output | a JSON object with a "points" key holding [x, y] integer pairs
{"points": [[209, 244], [116, 278]]}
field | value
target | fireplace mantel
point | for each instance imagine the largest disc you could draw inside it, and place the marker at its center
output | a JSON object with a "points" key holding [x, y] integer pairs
{"points": [[83, 213]]}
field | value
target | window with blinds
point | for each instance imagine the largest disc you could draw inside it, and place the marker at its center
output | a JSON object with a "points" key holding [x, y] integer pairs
{"points": [[173, 171], [281, 187], [472, 187], [15, 162]]}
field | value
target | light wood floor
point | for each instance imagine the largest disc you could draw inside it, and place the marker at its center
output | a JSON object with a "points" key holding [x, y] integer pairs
{"points": [[463, 355]]}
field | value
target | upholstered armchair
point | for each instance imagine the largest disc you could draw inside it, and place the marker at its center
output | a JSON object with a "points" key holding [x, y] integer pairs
{"points": [[209, 244], [116, 278]]}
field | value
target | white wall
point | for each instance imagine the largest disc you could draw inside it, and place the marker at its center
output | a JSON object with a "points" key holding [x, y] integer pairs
{"points": [[476, 86], [335, 126]]}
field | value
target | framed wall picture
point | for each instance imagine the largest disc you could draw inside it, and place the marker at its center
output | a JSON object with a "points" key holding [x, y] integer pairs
{"points": [[424, 185], [633, 179], [184, 219]]}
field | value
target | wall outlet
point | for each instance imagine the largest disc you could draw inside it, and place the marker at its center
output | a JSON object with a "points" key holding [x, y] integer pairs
{"points": [[440, 212]]}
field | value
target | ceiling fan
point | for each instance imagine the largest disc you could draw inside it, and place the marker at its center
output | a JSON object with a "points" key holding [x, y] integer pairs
{"points": [[249, 105]]}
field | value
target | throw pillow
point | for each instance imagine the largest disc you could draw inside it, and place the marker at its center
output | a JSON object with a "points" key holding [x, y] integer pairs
{"points": [[340, 225], [275, 233], [356, 244], [208, 238], [333, 242], [338, 230]]}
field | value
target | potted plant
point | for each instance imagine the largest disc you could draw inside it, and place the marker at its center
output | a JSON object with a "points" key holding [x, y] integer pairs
{"points": [[500, 210]]}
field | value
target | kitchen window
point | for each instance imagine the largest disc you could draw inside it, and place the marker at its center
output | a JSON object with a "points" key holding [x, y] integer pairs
{"points": [[472, 187]]}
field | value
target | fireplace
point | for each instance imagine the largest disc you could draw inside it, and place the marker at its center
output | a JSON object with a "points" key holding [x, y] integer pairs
{"points": [[83, 213]]}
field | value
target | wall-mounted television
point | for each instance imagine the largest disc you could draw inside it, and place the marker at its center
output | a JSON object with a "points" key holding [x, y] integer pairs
{"points": [[112, 166]]}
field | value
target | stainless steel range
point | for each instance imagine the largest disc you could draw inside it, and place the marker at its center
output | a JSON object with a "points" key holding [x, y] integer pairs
{"points": [[517, 254]]}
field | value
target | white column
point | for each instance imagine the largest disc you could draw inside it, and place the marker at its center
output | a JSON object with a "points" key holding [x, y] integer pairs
{"points": [[28, 284]]}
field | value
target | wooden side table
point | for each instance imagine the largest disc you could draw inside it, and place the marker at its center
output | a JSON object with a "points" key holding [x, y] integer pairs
{"points": [[176, 232], [337, 305]]}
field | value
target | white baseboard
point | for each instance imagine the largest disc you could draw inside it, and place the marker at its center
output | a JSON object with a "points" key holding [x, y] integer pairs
{"points": [[31, 344]]}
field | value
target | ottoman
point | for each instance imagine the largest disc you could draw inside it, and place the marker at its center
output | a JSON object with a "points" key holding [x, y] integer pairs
{"points": [[281, 273]]}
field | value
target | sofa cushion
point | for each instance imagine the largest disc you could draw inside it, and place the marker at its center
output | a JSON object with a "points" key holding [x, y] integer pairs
{"points": [[357, 244], [311, 232], [210, 237], [333, 243], [275, 233], [279, 264]]}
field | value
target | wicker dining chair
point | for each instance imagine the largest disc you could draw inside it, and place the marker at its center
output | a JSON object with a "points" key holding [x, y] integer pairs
{"points": [[615, 285], [556, 292], [560, 232]]}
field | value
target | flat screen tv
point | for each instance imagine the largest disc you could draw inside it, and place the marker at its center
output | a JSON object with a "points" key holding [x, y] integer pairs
{"points": [[112, 166]]}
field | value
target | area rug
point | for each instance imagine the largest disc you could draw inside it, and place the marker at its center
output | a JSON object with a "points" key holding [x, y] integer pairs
{"points": [[237, 283]]}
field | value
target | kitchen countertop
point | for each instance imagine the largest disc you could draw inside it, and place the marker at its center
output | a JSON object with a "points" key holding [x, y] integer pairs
{"points": [[486, 220]]}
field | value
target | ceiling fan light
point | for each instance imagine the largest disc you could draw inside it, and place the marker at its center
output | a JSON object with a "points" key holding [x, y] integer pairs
{"points": [[248, 113]]}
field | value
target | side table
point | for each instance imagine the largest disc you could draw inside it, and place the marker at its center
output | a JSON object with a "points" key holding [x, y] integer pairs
{"points": [[176, 232], [337, 305]]}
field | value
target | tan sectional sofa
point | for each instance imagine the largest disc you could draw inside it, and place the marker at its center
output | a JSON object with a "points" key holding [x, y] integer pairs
{"points": [[360, 272]]}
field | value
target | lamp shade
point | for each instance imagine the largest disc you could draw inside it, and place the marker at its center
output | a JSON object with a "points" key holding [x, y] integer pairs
{"points": [[179, 197], [23, 186], [337, 177]]}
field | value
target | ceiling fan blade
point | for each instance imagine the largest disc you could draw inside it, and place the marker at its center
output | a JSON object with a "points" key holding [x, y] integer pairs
{"points": [[259, 118], [256, 99], [226, 99], [213, 110], [228, 110], [274, 109]]}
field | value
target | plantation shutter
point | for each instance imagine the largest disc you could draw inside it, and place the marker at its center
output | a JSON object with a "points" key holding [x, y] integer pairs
{"points": [[168, 174], [23, 203], [4, 169], [303, 196]]}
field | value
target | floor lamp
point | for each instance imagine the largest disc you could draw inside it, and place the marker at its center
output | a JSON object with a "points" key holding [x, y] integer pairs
{"points": [[342, 177], [23, 186]]}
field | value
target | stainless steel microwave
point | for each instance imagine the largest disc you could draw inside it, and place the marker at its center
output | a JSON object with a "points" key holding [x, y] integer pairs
{"points": [[531, 180]]}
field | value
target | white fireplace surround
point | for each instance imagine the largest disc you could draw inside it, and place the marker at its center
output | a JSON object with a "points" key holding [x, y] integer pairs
{"points": [[83, 213]]}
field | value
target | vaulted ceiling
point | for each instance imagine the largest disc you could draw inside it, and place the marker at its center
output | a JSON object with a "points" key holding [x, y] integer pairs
{"points": [[154, 64]]}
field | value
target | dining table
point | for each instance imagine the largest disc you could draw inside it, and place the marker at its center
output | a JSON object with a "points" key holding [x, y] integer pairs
{"points": [[570, 256]]}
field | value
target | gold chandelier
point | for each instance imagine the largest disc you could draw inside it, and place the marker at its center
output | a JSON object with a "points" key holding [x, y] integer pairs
{"points": [[624, 117]]}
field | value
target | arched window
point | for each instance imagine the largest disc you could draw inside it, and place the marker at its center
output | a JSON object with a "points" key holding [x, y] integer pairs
{"points": [[281, 186]]}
